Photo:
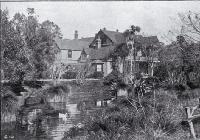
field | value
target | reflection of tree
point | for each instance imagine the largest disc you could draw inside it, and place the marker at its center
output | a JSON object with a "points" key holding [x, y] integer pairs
{"points": [[8, 102]]}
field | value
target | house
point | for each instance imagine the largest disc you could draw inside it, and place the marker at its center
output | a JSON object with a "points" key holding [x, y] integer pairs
{"points": [[70, 50], [104, 44]]}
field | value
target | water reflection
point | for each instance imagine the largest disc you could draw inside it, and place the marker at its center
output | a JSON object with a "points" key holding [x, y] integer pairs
{"points": [[53, 127]]}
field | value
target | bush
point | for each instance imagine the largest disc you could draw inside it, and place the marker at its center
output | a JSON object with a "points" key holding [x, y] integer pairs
{"points": [[160, 72], [69, 75], [113, 77], [159, 120], [96, 75], [57, 89]]}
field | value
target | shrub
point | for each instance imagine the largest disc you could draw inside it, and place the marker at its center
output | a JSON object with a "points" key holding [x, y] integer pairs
{"points": [[160, 72], [69, 75], [151, 120], [95, 75]]}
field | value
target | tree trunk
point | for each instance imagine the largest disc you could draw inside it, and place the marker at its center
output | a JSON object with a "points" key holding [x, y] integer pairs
{"points": [[189, 115]]}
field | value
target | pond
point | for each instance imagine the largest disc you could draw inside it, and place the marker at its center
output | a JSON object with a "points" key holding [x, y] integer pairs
{"points": [[51, 128]]}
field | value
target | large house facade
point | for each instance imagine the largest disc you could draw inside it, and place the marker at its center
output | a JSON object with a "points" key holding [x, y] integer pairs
{"points": [[97, 50], [104, 44]]}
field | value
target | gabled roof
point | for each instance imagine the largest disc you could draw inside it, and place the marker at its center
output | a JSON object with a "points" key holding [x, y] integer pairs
{"points": [[75, 44], [150, 40], [88, 39], [101, 53], [116, 37], [119, 38], [87, 50]]}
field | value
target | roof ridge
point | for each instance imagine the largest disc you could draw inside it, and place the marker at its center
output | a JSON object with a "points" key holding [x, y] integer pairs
{"points": [[112, 31]]}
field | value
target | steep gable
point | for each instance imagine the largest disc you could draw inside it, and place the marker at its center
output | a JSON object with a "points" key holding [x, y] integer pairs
{"points": [[116, 37]]}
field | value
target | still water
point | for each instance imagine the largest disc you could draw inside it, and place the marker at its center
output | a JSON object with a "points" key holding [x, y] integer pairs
{"points": [[51, 128]]}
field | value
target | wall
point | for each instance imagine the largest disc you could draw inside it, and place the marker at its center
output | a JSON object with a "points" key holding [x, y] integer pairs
{"points": [[62, 56], [107, 68]]}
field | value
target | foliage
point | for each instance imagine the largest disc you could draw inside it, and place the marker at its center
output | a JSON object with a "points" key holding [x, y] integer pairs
{"points": [[113, 77], [158, 117], [8, 100], [58, 89], [115, 81], [118, 55], [13, 54], [160, 72], [95, 75], [188, 25], [69, 75], [190, 28], [181, 61], [28, 47]]}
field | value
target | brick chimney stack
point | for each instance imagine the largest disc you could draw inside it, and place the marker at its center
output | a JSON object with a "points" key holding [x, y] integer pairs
{"points": [[76, 34]]}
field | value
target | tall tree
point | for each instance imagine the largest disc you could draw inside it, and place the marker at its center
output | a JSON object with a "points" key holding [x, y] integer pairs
{"points": [[13, 55], [39, 41]]}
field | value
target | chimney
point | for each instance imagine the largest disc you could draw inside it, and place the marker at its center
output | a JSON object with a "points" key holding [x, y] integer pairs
{"points": [[76, 34], [104, 28], [117, 30]]}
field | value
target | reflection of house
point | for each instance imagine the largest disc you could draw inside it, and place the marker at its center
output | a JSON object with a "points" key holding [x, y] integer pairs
{"points": [[106, 41], [70, 50]]}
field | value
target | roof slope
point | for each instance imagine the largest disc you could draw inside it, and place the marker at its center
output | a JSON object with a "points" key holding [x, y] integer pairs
{"points": [[88, 39], [150, 40], [75, 44], [116, 37], [119, 38], [87, 50], [101, 53]]}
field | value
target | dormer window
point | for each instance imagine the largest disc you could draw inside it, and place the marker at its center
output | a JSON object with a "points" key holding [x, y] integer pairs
{"points": [[69, 53]]}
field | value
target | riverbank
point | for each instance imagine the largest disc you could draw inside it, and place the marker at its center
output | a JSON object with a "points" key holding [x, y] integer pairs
{"points": [[75, 95], [159, 117]]}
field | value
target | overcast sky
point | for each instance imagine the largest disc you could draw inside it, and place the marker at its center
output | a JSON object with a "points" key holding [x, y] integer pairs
{"points": [[154, 18]]}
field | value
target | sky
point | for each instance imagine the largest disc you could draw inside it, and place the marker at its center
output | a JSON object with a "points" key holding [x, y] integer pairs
{"points": [[154, 17]]}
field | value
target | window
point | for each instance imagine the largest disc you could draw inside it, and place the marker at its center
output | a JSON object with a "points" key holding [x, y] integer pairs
{"points": [[69, 53], [99, 67]]}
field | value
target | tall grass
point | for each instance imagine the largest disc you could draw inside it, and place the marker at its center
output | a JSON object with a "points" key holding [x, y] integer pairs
{"points": [[156, 117]]}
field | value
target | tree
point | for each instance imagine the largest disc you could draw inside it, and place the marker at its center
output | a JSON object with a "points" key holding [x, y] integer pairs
{"points": [[29, 48], [190, 28], [181, 60], [130, 41], [118, 56], [13, 53], [188, 25]]}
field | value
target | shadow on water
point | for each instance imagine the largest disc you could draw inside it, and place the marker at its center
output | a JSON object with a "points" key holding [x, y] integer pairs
{"points": [[51, 128]]}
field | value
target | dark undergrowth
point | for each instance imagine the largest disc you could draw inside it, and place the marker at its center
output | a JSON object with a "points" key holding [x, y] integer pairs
{"points": [[125, 120]]}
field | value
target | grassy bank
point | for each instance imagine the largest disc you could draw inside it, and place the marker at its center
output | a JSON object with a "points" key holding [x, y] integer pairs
{"points": [[156, 117]]}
